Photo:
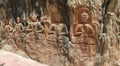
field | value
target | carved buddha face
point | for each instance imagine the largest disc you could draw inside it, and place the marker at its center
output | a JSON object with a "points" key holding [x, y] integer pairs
{"points": [[84, 17], [18, 20], [34, 18]]}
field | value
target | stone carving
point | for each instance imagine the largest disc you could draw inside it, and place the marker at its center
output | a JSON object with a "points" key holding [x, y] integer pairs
{"points": [[3, 30], [6, 32], [35, 38], [19, 33], [84, 31], [56, 28], [57, 31], [35, 27], [57, 39], [9, 29], [45, 19]]}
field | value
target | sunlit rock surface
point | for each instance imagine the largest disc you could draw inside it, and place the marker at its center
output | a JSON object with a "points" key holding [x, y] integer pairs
{"points": [[105, 15], [11, 59]]}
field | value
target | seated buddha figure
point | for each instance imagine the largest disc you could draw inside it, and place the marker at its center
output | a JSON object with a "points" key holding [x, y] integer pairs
{"points": [[3, 24], [7, 30], [35, 28], [19, 32], [45, 19], [56, 28], [84, 31]]}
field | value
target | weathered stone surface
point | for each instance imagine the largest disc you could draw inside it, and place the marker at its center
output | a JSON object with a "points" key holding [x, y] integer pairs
{"points": [[11, 59], [70, 32]]}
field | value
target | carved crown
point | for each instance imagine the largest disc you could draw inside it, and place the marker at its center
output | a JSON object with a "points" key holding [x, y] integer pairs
{"points": [[83, 10]]}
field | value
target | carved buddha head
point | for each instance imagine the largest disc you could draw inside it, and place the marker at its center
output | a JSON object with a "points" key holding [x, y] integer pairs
{"points": [[18, 20], [84, 15], [34, 17]]}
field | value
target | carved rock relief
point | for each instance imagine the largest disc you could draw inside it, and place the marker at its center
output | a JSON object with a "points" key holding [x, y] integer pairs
{"points": [[84, 34], [49, 42]]}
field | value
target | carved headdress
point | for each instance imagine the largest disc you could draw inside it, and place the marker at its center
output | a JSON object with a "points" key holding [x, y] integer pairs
{"points": [[84, 10]]}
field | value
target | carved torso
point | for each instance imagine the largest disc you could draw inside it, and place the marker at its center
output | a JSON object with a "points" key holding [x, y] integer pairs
{"points": [[58, 28], [8, 31], [85, 32], [35, 26]]}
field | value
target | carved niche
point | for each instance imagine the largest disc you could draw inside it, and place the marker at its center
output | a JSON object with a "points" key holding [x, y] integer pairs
{"points": [[84, 31]]}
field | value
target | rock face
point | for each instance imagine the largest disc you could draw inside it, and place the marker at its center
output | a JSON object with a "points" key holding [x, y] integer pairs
{"points": [[65, 32], [10, 59]]}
